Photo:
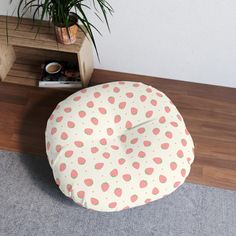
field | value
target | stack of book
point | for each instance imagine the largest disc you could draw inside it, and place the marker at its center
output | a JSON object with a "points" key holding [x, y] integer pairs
{"points": [[67, 77]]}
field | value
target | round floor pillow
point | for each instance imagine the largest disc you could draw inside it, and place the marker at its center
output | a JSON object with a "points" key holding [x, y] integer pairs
{"points": [[118, 145]]}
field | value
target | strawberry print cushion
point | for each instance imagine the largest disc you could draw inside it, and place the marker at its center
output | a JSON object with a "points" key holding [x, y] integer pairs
{"points": [[118, 145]]}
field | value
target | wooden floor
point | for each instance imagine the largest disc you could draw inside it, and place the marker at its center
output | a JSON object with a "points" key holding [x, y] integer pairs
{"points": [[209, 113]]}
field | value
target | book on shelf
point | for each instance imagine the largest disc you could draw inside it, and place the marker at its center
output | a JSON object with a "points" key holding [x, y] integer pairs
{"points": [[67, 77]]}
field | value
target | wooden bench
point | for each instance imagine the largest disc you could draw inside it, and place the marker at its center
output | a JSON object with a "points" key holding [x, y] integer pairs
{"points": [[22, 51]]}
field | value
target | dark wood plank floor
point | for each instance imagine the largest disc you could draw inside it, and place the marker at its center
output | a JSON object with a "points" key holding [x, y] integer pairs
{"points": [[209, 113]]}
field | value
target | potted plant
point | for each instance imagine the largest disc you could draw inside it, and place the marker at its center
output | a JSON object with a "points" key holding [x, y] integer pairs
{"points": [[67, 16]]}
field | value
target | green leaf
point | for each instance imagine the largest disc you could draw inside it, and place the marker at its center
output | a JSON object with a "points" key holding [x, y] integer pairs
{"points": [[58, 12]]}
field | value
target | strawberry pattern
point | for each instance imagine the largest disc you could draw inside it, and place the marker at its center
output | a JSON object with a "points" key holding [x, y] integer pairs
{"points": [[118, 145]]}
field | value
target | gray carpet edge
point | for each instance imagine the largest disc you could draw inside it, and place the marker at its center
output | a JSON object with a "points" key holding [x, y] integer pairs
{"points": [[31, 204]]}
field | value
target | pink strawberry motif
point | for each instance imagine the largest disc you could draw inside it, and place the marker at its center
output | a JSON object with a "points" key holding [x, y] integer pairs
{"points": [[134, 140], [173, 165], [103, 141], [167, 109], [102, 110], [157, 160], [67, 109], [94, 201], [141, 130], [118, 192], [184, 142], [136, 165], [94, 150], [155, 131], [58, 182], [169, 134], [122, 105], [51, 117], [189, 160], [148, 90], [147, 200], [82, 114], [70, 124], [134, 111], [141, 154], [88, 131], [94, 120], [114, 147], [162, 120], [116, 90], [129, 95], [159, 94], [77, 98], [180, 154], [88, 182], [106, 155], [149, 114], [186, 132], [53, 131], [143, 98], [48, 145], [176, 184], [121, 161], [83, 90], [112, 205], [117, 119], [97, 94], [149, 171], [69, 187], [121, 82], [58, 148], [128, 125], [123, 138], [129, 150], [114, 173], [147, 143], [154, 102], [110, 131], [111, 100], [126, 177], [74, 174], [105, 187], [174, 124], [133, 198], [162, 179], [165, 146], [79, 144], [136, 85], [59, 119], [81, 194], [99, 165], [90, 104], [179, 117], [155, 191], [62, 167], [64, 136], [143, 184], [81, 161], [69, 153], [183, 172], [105, 86]]}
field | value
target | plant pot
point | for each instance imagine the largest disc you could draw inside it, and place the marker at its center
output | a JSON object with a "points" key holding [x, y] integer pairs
{"points": [[66, 36]]}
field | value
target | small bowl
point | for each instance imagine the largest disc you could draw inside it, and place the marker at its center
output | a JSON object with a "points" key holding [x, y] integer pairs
{"points": [[53, 68]]}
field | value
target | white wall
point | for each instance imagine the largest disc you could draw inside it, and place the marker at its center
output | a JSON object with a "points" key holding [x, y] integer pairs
{"points": [[179, 39], [193, 40]]}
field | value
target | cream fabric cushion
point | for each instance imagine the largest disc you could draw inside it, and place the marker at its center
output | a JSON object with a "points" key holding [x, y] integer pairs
{"points": [[118, 145]]}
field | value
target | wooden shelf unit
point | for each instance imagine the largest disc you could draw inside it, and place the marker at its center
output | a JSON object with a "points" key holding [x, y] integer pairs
{"points": [[22, 51]]}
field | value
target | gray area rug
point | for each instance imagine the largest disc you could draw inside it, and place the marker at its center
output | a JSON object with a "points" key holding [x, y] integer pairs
{"points": [[31, 204]]}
